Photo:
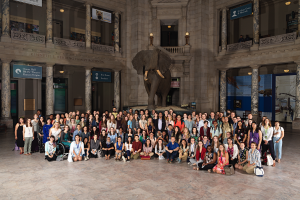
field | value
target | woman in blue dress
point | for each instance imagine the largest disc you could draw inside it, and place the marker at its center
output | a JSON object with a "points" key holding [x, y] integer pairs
{"points": [[76, 146], [46, 129]]}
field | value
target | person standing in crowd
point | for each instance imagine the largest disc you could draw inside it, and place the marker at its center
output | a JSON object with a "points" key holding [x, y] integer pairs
{"points": [[41, 134], [73, 126], [278, 134], [209, 161], [169, 121], [223, 160], [201, 122], [234, 125], [65, 137], [240, 133], [267, 132], [57, 117], [143, 123], [206, 142], [111, 123], [112, 135], [204, 130], [211, 119], [129, 123], [77, 132], [215, 130], [215, 144], [93, 132], [28, 136], [179, 123], [114, 112], [82, 122], [186, 136], [96, 121], [128, 150], [103, 123], [136, 148], [46, 129], [55, 131], [226, 127], [119, 147], [35, 142], [232, 151], [242, 156], [194, 133], [67, 119], [50, 148], [172, 149], [254, 135], [124, 123], [189, 123], [19, 134], [135, 123], [61, 124], [177, 135], [85, 134], [160, 123], [253, 159]]}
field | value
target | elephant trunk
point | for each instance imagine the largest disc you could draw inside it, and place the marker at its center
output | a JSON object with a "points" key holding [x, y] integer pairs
{"points": [[146, 74], [159, 73]]}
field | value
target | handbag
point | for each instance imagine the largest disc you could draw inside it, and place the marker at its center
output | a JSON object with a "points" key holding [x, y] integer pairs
{"points": [[259, 171], [99, 153], [229, 170], [269, 160], [145, 157]]}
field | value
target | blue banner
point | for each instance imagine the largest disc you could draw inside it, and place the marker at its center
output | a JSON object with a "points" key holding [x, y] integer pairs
{"points": [[24, 71], [101, 76], [241, 11]]}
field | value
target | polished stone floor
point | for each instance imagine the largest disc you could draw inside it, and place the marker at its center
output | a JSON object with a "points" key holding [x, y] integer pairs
{"points": [[32, 177]]}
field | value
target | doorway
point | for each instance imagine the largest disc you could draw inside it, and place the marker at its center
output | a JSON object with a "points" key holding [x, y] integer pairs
{"points": [[173, 96], [57, 28], [169, 33]]}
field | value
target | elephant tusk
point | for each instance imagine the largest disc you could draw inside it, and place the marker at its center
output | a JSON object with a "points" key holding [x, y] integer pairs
{"points": [[160, 73], [146, 74]]}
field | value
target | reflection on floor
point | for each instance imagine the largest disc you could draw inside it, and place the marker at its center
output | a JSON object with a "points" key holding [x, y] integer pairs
{"points": [[32, 177]]}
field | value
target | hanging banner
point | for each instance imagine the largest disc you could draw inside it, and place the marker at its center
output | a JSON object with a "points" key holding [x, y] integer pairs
{"points": [[101, 15], [32, 2], [101, 76], [25, 71], [241, 11]]}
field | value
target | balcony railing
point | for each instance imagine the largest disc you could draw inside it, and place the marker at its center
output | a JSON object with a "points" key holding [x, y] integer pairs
{"points": [[28, 37], [278, 39], [239, 46], [68, 43], [103, 48], [174, 49]]}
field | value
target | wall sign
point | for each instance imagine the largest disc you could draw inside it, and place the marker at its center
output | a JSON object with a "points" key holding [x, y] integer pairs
{"points": [[175, 84], [241, 11], [32, 2], [24, 71], [101, 76], [101, 15]]}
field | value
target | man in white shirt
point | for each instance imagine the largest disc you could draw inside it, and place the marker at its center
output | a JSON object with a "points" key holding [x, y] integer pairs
{"points": [[201, 122]]}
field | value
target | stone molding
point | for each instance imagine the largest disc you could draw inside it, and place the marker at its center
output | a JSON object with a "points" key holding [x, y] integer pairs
{"points": [[68, 43], [239, 46], [103, 48], [289, 37], [28, 37]]}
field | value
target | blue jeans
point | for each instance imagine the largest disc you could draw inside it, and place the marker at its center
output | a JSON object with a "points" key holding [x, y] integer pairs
{"points": [[128, 153], [172, 155], [277, 147]]}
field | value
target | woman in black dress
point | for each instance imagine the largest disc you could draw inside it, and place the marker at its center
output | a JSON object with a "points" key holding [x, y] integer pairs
{"points": [[19, 134]]}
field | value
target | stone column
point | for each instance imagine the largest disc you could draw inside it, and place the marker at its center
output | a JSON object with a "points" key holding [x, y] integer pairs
{"points": [[88, 26], [5, 89], [117, 87], [88, 89], [5, 21], [224, 30], [223, 91], [49, 89], [255, 24], [254, 92], [296, 121], [117, 32], [49, 22]]}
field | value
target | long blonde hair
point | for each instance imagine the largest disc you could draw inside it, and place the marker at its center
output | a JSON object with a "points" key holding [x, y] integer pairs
{"points": [[55, 124]]}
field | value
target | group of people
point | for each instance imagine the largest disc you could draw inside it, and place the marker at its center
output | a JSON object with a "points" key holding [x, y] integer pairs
{"points": [[206, 142]]}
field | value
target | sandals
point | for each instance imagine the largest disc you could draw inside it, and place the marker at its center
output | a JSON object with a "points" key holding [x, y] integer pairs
{"points": [[209, 171]]}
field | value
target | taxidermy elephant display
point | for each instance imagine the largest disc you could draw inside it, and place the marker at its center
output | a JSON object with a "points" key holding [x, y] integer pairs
{"points": [[154, 65]]}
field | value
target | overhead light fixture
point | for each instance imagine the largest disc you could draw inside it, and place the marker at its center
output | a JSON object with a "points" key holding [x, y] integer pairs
{"points": [[250, 73], [287, 3], [62, 10], [169, 26], [187, 33], [151, 34], [286, 70], [61, 72]]}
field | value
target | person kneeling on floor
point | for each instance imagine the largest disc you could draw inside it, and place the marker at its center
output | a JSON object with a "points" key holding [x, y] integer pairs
{"points": [[50, 148]]}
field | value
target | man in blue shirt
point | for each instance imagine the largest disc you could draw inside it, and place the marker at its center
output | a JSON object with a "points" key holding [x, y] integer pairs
{"points": [[172, 149], [77, 132]]}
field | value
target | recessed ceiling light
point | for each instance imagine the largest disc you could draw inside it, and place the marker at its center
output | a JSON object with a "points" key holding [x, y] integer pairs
{"points": [[169, 26], [61, 72], [286, 70], [287, 3], [62, 10], [250, 73]]}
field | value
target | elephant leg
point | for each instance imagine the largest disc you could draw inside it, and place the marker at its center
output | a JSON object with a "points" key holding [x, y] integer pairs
{"points": [[164, 100], [153, 89], [158, 100]]}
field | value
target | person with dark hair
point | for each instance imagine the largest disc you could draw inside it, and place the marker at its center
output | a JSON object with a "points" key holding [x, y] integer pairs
{"points": [[267, 133], [192, 150], [253, 159], [28, 136], [254, 135], [172, 149], [215, 144], [160, 150], [177, 134], [240, 133], [128, 149], [242, 156], [241, 39], [50, 148], [65, 137], [93, 132], [46, 129], [86, 148], [200, 153], [223, 160], [179, 123], [77, 132], [95, 145], [19, 134], [147, 149], [160, 123], [119, 147], [232, 150], [112, 134], [165, 138], [136, 148], [194, 133], [204, 130], [209, 161], [183, 151], [77, 149], [206, 142], [108, 148]]}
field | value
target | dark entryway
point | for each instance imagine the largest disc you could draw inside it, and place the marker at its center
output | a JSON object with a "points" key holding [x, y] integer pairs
{"points": [[169, 33]]}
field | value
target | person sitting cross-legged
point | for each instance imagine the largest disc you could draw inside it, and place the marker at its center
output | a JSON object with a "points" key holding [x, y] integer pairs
{"points": [[172, 149]]}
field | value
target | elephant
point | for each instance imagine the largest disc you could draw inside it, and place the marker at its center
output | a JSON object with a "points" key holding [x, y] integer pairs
{"points": [[155, 66]]}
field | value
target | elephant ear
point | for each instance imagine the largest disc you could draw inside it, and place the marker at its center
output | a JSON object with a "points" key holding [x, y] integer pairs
{"points": [[164, 62], [138, 62]]}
